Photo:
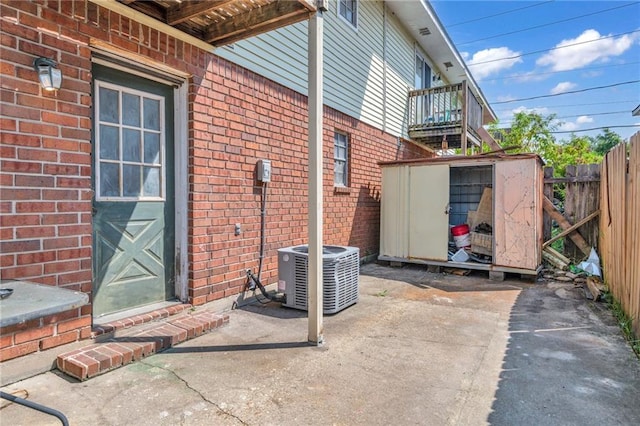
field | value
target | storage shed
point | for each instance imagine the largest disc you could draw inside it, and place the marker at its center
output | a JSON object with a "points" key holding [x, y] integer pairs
{"points": [[499, 196]]}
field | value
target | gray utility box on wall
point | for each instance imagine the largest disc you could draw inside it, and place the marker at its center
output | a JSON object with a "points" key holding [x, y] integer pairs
{"points": [[340, 271]]}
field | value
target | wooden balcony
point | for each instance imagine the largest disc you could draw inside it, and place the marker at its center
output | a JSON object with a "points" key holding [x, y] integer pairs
{"points": [[446, 117]]}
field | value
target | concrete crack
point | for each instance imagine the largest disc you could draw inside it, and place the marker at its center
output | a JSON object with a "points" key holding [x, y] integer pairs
{"points": [[204, 398]]}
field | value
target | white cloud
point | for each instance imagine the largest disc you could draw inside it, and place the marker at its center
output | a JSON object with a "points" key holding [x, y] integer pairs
{"points": [[531, 76], [568, 126], [565, 86], [537, 110], [490, 61], [592, 48]]}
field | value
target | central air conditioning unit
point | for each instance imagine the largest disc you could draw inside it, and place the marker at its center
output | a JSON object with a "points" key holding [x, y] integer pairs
{"points": [[340, 272]]}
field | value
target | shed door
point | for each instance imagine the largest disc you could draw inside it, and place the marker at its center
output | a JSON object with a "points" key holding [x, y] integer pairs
{"points": [[394, 211], [515, 226], [428, 211], [133, 224]]}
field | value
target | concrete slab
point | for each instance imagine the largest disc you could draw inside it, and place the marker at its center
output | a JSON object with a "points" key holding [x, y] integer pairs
{"points": [[418, 348], [30, 301]]}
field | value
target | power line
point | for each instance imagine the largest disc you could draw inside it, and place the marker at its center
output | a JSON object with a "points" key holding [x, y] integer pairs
{"points": [[566, 93], [512, 76], [573, 105], [596, 128], [549, 50], [547, 24], [581, 115], [499, 14]]}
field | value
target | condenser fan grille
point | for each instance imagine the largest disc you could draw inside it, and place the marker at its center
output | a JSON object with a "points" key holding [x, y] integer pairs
{"points": [[340, 270]]}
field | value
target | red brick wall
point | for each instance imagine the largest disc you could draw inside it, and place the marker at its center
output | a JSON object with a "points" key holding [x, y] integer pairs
{"points": [[235, 119], [240, 118]]}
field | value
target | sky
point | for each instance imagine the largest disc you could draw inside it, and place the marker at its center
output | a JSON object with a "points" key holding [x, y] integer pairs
{"points": [[555, 47]]}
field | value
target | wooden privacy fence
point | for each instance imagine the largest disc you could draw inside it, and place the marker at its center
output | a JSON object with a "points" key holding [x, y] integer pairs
{"points": [[620, 226]]}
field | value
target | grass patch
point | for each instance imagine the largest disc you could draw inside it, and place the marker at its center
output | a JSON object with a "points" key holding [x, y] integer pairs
{"points": [[382, 293], [623, 321]]}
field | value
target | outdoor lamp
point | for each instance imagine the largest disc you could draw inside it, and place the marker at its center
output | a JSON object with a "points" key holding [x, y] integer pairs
{"points": [[50, 76]]}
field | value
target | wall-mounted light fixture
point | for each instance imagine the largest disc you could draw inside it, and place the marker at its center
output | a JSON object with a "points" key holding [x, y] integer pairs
{"points": [[48, 73], [436, 77]]}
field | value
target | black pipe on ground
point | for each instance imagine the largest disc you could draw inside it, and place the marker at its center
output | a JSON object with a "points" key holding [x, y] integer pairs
{"points": [[36, 406]]}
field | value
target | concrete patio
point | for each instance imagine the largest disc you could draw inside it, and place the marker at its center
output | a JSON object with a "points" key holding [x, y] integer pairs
{"points": [[418, 348]]}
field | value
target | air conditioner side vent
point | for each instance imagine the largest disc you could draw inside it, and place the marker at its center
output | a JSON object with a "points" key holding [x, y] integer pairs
{"points": [[340, 272]]}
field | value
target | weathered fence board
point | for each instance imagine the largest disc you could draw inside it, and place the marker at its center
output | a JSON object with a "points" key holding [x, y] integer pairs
{"points": [[620, 226], [582, 198]]}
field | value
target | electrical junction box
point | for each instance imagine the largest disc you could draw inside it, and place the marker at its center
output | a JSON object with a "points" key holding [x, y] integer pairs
{"points": [[264, 170]]}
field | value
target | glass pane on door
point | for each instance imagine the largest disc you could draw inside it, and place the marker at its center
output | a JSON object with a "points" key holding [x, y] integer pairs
{"points": [[129, 144]]}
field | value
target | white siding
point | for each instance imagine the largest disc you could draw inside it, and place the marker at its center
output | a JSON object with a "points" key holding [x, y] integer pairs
{"points": [[400, 54], [356, 81]]}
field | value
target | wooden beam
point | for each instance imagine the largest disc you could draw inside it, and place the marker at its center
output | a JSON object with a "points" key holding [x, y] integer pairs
{"points": [[254, 19], [556, 215], [148, 8], [188, 9], [556, 259], [465, 118], [572, 228], [302, 16], [486, 137], [572, 179]]}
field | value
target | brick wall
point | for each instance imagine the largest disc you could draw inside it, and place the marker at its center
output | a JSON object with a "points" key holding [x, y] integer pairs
{"points": [[235, 119], [240, 118], [45, 172]]}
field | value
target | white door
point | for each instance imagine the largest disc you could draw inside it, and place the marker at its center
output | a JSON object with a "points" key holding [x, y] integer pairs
{"points": [[428, 211], [394, 211]]}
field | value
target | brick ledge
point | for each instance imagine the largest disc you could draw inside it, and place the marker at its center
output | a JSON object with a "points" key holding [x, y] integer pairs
{"points": [[111, 327], [99, 358]]}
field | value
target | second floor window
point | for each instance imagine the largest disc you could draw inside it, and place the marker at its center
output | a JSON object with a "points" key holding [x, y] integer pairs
{"points": [[341, 159], [348, 9]]}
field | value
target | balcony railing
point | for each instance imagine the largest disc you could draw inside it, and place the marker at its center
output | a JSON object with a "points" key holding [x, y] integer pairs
{"points": [[446, 110]]}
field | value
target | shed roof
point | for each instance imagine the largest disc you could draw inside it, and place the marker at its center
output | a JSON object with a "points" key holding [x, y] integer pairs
{"points": [[467, 159]]}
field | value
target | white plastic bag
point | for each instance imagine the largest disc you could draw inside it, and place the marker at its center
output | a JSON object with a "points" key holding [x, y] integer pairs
{"points": [[592, 264]]}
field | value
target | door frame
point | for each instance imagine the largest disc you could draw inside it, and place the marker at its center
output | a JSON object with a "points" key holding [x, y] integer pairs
{"points": [[113, 58]]}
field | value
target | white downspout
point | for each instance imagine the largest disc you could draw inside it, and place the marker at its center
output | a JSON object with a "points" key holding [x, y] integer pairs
{"points": [[315, 179]]}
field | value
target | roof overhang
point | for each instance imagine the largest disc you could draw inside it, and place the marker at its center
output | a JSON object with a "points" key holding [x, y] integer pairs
{"points": [[636, 111], [222, 22], [423, 24]]}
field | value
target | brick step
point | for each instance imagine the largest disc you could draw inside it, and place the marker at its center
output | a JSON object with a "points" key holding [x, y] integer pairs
{"points": [[99, 358]]}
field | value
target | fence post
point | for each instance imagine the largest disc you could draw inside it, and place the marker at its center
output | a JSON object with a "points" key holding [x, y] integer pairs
{"points": [[547, 223]]}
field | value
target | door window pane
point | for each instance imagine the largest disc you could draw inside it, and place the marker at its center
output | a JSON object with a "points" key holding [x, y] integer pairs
{"points": [[151, 148], [109, 105], [130, 110], [109, 143], [130, 180], [151, 114], [151, 182], [109, 180], [131, 145]]}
